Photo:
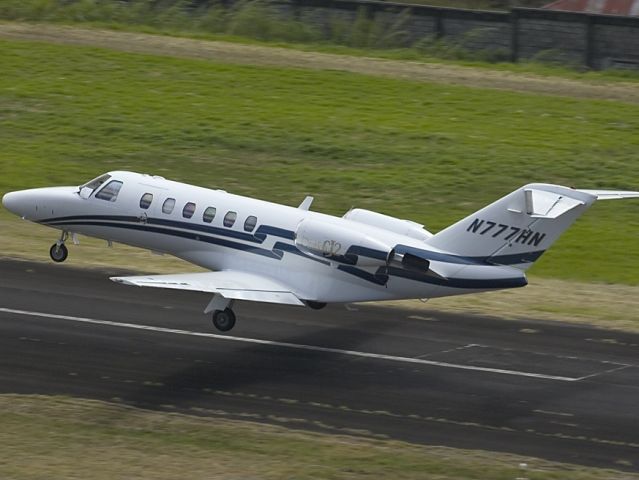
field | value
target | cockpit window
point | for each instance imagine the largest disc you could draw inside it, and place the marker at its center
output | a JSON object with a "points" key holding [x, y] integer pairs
{"points": [[88, 188], [110, 191]]}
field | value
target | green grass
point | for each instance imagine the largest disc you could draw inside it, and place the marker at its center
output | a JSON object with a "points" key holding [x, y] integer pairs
{"points": [[432, 153], [57, 437]]}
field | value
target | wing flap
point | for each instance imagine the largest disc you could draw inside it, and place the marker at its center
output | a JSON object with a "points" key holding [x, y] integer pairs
{"points": [[229, 284]]}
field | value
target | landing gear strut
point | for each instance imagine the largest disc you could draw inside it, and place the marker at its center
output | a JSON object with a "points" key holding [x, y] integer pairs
{"points": [[223, 316], [58, 250], [224, 320]]}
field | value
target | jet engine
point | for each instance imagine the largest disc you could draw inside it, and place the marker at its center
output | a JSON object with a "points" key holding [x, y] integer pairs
{"points": [[385, 222], [339, 244]]}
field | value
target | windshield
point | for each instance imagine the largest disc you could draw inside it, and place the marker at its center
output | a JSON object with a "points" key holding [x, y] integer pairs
{"points": [[110, 191], [88, 188]]}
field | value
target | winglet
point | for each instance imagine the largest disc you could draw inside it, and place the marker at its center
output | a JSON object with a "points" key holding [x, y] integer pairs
{"points": [[306, 204]]}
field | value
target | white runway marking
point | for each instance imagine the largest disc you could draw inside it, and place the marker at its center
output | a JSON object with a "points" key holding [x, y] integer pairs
{"points": [[352, 353]]}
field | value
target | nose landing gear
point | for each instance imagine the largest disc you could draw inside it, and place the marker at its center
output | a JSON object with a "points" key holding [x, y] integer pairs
{"points": [[58, 251]]}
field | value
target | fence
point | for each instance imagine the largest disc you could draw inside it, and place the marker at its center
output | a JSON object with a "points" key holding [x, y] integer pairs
{"points": [[594, 41]]}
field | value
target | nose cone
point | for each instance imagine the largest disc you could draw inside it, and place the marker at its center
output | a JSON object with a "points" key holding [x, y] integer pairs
{"points": [[37, 204], [15, 202]]}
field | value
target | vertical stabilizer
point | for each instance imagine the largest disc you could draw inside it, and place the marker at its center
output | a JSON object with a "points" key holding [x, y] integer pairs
{"points": [[518, 228]]}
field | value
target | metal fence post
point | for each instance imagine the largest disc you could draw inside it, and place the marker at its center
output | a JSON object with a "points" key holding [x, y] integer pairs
{"points": [[439, 23], [589, 53], [514, 35]]}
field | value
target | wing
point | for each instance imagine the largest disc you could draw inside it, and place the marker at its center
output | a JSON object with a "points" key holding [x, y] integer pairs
{"points": [[228, 283]]}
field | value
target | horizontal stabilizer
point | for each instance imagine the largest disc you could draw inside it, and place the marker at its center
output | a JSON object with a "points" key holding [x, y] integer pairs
{"points": [[229, 284], [611, 194]]}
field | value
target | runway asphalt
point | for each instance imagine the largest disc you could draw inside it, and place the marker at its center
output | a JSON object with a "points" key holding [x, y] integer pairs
{"points": [[554, 391]]}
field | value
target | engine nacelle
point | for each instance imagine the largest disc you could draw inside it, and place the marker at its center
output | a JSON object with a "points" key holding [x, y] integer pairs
{"points": [[395, 225], [340, 244]]}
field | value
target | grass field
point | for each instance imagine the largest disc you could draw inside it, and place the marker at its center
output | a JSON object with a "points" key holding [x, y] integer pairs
{"points": [[429, 152], [53, 437]]}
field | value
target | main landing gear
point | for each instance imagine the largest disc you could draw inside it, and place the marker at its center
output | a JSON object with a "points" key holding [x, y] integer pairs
{"points": [[223, 316], [59, 251], [224, 320], [315, 305]]}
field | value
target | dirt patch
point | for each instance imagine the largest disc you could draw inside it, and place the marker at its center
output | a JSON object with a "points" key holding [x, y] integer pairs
{"points": [[283, 57]]}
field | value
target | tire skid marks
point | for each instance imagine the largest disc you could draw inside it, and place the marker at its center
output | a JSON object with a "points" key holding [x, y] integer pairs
{"points": [[423, 418]]}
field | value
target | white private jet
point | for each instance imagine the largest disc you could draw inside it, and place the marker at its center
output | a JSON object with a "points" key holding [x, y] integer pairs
{"points": [[265, 252]]}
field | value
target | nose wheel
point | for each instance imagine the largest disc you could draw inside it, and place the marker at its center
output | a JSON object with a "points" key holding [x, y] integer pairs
{"points": [[224, 320], [59, 252]]}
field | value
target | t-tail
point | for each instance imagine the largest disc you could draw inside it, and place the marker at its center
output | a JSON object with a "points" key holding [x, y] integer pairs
{"points": [[518, 228]]}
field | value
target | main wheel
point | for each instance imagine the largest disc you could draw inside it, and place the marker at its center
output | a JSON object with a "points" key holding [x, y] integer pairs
{"points": [[59, 253], [315, 305], [224, 320]]}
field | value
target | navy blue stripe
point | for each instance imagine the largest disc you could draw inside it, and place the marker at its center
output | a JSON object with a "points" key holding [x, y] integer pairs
{"points": [[287, 247], [276, 253], [258, 237], [512, 259], [438, 257], [377, 277], [367, 252], [118, 218], [266, 230], [178, 233], [263, 231], [226, 232], [466, 283], [516, 259]]}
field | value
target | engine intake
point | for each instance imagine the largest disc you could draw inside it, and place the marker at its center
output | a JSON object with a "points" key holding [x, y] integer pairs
{"points": [[392, 224]]}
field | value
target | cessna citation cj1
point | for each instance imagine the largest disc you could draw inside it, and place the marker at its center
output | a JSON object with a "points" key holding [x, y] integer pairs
{"points": [[265, 252]]}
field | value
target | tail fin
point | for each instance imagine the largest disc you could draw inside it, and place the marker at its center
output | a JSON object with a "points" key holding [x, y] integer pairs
{"points": [[518, 228]]}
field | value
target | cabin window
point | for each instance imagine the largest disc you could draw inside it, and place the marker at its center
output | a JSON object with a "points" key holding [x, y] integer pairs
{"points": [[188, 210], [209, 214], [249, 224], [145, 201], [229, 219], [167, 206], [110, 191]]}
